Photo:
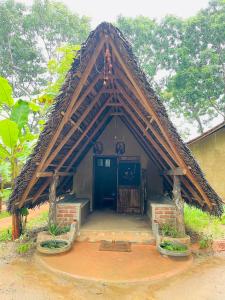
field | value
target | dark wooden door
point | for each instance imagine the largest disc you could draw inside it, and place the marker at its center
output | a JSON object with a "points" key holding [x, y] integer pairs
{"points": [[105, 183], [129, 200]]}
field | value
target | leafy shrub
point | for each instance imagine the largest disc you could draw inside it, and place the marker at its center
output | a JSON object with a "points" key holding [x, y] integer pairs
{"points": [[23, 248], [169, 230], [168, 245], [6, 235], [206, 241], [53, 244], [57, 230]]}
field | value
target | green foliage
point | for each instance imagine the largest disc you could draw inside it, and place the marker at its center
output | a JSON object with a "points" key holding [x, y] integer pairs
{"points": [[202, 222], [9, 133], [23, 248], [5, 92], [169, 230], [6, 235], [4, 214], [19, 113], [59, 66], [53, 244], [29, 38], [168, 245], [206, 241], [185, 58], [57, 230]]}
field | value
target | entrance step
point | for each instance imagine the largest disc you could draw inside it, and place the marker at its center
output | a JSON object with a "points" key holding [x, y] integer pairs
{"points": [[140, 237]]}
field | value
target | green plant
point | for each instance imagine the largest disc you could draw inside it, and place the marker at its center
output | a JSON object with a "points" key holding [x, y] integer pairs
{"points": [[4, 214], [168, 245], [23, 248], [53, 244], [206, 241], [6, 235], [57, 230], [202, 222], [169, 230]]}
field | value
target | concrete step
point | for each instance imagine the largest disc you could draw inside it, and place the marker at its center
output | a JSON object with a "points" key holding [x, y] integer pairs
{"points": [[140, 237]]}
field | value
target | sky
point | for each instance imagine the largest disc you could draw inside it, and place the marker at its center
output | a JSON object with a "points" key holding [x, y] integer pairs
{"points": [[108, 10]]}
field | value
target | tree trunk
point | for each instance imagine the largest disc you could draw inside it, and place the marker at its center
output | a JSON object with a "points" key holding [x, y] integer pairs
{"points": [[179, 204], [16, 226], [200, 127], [52, 200]]}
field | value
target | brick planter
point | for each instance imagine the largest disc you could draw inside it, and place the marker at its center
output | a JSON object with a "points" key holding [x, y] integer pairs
{"points": [[218, 245], [66, 213], [162, 214]]}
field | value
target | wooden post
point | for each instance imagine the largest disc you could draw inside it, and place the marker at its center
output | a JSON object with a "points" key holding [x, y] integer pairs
{"points": [[179, 204], [52, 200], [16, 226]]}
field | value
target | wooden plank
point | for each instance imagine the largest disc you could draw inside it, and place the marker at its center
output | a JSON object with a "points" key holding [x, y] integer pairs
{"points": [[66, 116], [177, 171], [50, 174], [151, 111]]}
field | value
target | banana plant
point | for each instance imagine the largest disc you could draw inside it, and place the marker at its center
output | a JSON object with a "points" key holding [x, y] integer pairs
{"points": [[16, 140]]}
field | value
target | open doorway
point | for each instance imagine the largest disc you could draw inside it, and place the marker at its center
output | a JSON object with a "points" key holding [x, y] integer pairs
{"points": [[105, 182]]}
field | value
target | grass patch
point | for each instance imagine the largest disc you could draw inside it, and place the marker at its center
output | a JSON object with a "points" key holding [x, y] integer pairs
{"points": [[4, 214], [203, 223], [5, 235]]}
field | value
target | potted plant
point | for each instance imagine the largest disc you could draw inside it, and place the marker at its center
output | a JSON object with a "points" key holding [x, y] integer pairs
{"points": [[171, 248], [56, 241], [170, 241], [170, 233]]}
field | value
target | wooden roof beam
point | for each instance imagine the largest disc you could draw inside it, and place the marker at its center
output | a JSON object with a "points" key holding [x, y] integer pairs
{"points": [[45, 185], [67, 115], [84, 146], [175, 172], [148, 136], [84, 134], [50, 174], [148, 124], [149, 109], [72, 130]]}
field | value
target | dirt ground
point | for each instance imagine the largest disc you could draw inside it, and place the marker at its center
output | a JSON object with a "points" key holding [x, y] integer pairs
{"points": [[20, 279], [6, 222]]}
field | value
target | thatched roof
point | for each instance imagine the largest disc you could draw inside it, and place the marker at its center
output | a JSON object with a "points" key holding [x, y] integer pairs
{"points": [[81, 112]]}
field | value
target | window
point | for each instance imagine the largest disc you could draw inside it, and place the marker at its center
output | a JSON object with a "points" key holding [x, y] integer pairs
{"points": [[100, 162], [107, 163]]}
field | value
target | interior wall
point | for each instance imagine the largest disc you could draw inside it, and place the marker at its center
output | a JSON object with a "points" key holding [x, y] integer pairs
{"points": [[114, 132], [210, 153]]}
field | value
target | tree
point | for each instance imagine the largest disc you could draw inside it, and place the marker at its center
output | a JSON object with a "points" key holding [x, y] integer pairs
{"points": [[20, 58], [29, 39], [54, 26], [185, 59], [16, 140]]}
